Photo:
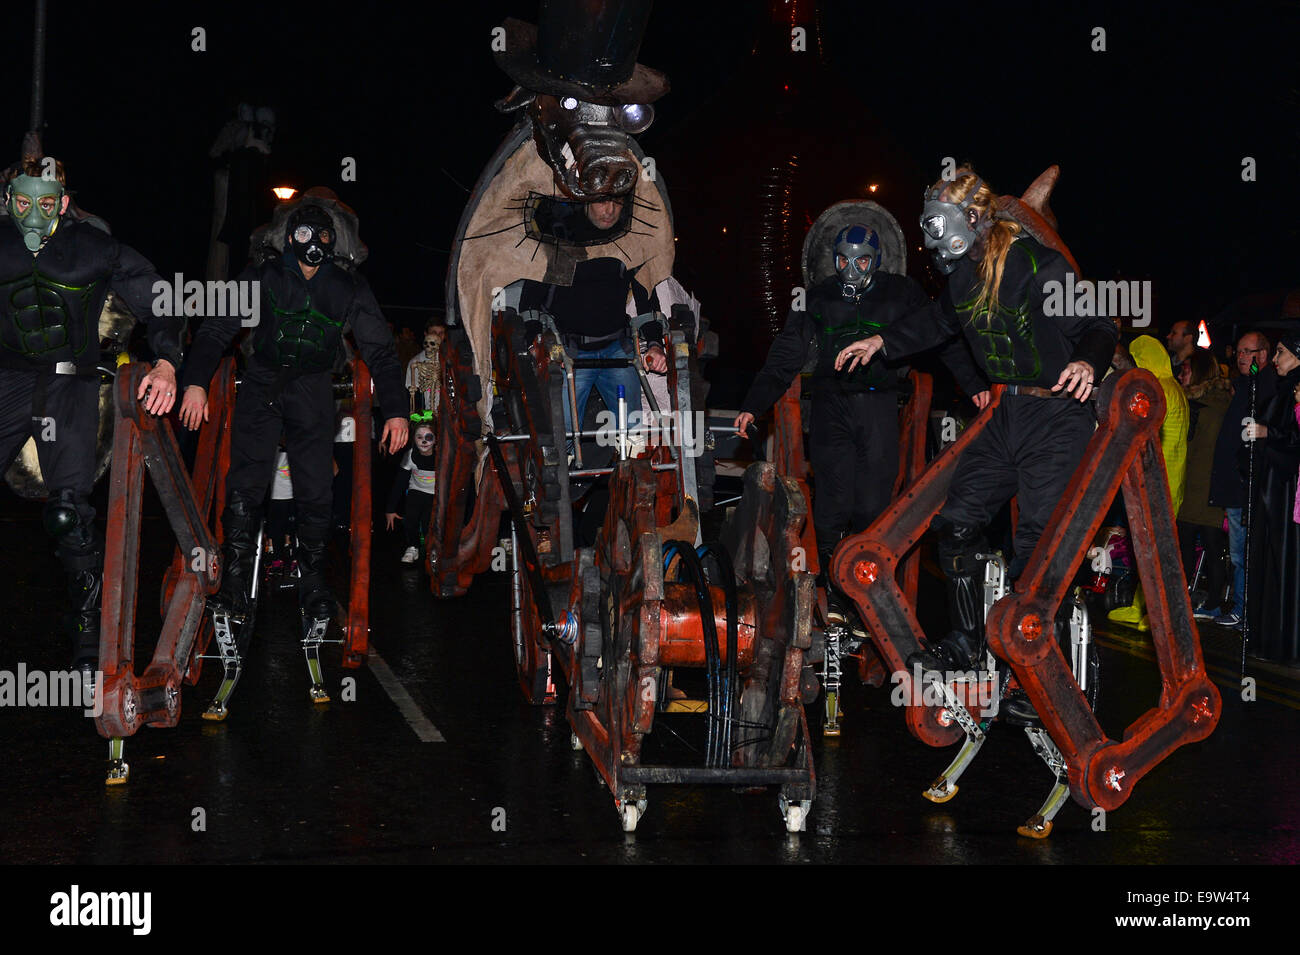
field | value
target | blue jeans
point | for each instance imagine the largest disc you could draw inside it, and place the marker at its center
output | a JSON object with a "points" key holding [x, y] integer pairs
{"points": [[1237, 554], [604, 380]]}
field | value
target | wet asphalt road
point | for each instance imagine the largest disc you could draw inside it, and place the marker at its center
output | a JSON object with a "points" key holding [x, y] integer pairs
{"points": [[283, 780]]}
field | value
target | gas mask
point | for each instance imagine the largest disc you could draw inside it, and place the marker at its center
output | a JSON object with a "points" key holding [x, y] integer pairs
{"points": [[35, 205], [949, 234], [857, 256], [311, 234]]}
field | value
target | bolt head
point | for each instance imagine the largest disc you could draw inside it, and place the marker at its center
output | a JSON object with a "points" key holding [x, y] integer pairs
{"points": [[866, 571]]}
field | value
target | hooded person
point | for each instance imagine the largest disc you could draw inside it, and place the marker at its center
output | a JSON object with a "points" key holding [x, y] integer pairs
{"points": [[854, 426], [309, 297], [1148, 353]]}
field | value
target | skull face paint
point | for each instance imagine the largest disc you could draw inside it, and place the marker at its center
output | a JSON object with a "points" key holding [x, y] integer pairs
{"points": [[857, 256], [424, 439], [35, 205]]}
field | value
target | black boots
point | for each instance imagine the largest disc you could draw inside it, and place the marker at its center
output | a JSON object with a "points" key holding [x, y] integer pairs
{"points": [[82, 555], [240, 524], [313, 593], [957, 651], [85, 592]]}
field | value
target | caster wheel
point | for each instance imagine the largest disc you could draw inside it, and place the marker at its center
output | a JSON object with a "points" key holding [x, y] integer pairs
{"points": [[118, 773], [575, 744], [631, 816]]}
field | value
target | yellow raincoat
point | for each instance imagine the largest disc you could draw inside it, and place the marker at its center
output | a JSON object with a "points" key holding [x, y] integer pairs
{"points": [[1148, 353]]}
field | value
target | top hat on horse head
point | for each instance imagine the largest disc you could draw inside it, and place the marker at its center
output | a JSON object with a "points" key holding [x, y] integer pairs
{"points": [[583, 48]]}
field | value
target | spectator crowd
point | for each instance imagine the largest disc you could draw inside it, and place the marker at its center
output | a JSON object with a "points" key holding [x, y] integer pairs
{"points": [[1231, 445]]}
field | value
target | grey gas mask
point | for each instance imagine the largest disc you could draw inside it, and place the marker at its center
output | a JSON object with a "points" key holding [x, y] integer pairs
{"points": [[949, 234], [857, 256]]}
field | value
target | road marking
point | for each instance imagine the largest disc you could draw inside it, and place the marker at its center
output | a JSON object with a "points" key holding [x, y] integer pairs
{"points": [[414, 716]]}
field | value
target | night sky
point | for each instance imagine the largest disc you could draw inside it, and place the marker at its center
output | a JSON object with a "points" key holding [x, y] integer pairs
{"points": [[1150, 134]]}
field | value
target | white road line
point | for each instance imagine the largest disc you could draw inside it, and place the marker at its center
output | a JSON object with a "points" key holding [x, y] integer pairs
{"points": [[424, 729]]}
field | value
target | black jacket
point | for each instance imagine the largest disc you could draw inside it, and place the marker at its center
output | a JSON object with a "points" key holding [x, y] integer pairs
{"points": [[595, 305], [829, 323], [1019, 344], [77, 268], [301, 326], [1228, 476], [1274, 586]]}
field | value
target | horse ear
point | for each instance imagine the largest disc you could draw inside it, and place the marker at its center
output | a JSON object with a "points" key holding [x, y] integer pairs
{"points": [[515, 100], [1040, 190]]}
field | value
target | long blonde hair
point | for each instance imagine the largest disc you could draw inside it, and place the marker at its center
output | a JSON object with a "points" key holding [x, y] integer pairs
{"points": [[997, 240]]}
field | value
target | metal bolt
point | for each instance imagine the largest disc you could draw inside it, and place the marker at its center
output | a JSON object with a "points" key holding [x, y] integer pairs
{"points": [[866, 571]]}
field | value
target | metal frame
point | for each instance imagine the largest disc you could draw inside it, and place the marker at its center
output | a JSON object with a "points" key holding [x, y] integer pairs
{"points": [[1124, 453]]}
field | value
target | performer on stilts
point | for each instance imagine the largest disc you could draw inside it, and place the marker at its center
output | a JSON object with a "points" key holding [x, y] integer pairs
{"points": [[307, 302], [997, 284], [854, 427], [55, 273]]}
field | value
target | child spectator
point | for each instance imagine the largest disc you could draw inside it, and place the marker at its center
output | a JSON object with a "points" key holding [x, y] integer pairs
{"points": [[415, 477]]}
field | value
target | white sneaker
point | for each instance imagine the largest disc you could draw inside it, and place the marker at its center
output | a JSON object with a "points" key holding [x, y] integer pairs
{"points": [[410, 556]]}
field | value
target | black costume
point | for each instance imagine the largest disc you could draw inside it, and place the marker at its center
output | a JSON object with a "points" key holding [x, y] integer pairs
{"points": [[587, 300], [1228, 475], [1032, 444], [287, 385], [592, 311], [854, 429], [49, 349]]}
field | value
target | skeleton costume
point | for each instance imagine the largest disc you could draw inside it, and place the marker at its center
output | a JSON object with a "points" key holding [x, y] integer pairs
{"points": [[422, 374], [1034, 442], [287, 386], [55, 273]]}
